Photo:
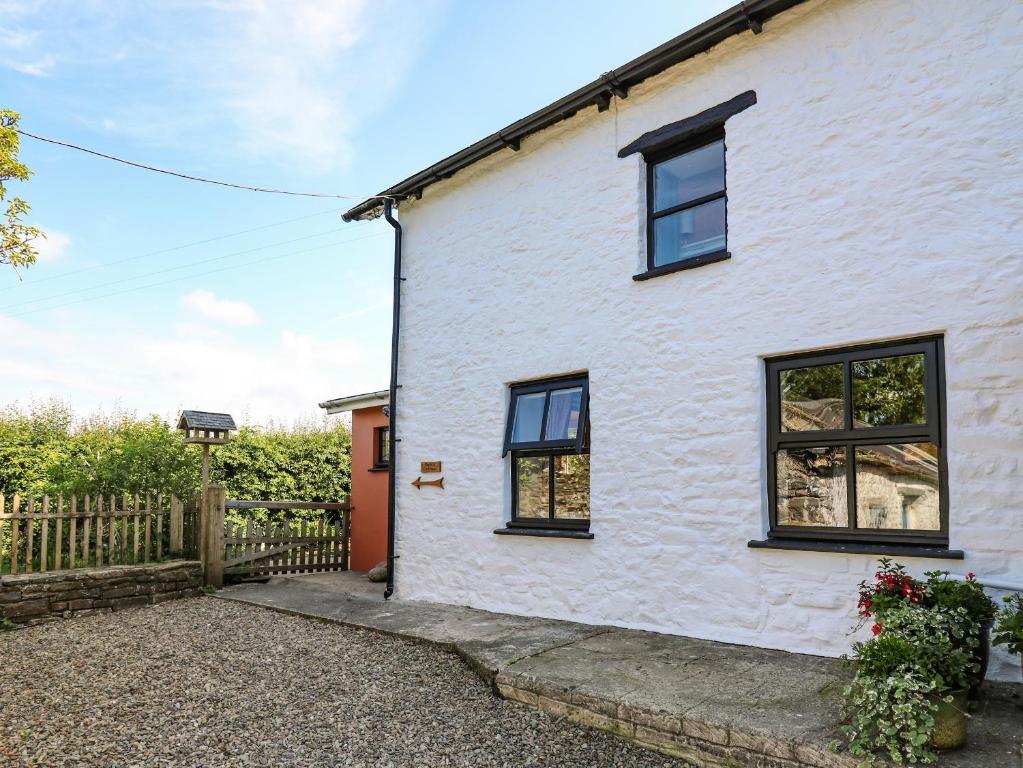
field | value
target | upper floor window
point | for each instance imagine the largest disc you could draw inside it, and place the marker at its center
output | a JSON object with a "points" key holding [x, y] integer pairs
{"points": [[547, 435], [856, 444], [686, 204], [685, 193]]}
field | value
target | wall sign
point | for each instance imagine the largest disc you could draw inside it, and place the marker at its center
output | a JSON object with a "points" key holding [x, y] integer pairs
{"points": [[429, 466], [420, 482]]}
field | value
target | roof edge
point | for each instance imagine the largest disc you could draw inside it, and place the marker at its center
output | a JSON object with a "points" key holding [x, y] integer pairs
{"points": [[354, 402], [748, 15]]}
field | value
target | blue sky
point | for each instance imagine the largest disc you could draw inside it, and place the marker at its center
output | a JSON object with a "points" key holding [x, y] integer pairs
{"points": [[128, 308]]}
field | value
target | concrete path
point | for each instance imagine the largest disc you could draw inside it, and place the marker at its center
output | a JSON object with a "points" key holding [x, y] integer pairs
{"points": [[713, 705]]}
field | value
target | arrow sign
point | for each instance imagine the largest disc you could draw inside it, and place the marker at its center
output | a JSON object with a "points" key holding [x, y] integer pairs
{"points": [[419, 482]]}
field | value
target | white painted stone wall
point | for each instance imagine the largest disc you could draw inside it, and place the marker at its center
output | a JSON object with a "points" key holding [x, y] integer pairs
{"points": [[875, 191]]}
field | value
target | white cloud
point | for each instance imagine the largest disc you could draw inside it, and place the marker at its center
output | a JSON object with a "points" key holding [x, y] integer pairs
{"points": [[52, 247], [283, 82], [281, 377], [206, 304], [282, 73], [40, 68]]}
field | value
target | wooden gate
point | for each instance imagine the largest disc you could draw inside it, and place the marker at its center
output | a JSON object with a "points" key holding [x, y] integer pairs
{"points": [[284, 543]]}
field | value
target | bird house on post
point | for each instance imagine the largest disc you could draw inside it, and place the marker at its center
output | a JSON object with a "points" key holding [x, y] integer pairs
{"points": [[206, 429]]}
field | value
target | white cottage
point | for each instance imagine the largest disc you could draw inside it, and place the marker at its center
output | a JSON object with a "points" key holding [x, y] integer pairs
{"points": [[699, 342]]}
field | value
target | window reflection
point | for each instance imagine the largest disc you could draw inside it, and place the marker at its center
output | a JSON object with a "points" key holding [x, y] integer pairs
{"points": [[812, 398], [897, 487], [688, 233], [563, 415], [572, 486], [528, 417], [811, 487], [690, 176], [889, 391], [533, 486]]}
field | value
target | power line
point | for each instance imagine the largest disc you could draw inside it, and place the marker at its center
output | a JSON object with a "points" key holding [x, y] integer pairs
{"points": [[197, 274], [63, 275], [190, 177], [141, 275]]}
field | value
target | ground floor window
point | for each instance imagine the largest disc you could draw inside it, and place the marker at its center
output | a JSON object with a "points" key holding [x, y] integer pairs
{"points": [[856, 444], [381, 447], [547, 436]]}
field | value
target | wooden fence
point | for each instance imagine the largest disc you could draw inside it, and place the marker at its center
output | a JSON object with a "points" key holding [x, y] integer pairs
{"points": [[286, 544], [38, 535]]}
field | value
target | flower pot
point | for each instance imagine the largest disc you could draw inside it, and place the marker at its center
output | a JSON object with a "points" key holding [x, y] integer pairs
{"points": [[981, 656], [949, 720]]}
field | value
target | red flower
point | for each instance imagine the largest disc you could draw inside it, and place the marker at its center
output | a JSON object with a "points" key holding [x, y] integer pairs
{"points": [[971, 576], [876, 629]]}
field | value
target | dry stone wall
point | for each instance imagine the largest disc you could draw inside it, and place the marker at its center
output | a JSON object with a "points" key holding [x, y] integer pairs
{"points": [[36, 598]]}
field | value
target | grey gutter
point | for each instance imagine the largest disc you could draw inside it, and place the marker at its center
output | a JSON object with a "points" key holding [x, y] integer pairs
{"points": [[392, 413], [748, 15], [351, 398]]}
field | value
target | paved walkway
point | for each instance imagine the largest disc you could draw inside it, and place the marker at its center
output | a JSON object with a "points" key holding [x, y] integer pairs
{"points": [[713, 705]]}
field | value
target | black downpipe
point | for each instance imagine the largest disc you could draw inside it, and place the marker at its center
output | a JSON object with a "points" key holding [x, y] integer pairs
{"points": [[393, 410]]}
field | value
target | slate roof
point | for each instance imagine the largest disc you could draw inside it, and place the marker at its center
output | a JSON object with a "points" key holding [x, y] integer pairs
{"points": [[206, 420]]}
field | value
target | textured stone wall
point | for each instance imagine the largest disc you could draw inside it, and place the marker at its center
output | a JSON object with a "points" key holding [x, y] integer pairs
{"points": [[875, 191], [35, 598], [699, 741]]}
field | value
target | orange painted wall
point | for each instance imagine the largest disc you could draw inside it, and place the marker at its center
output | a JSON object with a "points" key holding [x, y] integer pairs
{"points": [[369, 492]]}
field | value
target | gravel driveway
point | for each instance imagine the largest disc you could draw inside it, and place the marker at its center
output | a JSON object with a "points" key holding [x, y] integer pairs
{"points": [[205, 682]]}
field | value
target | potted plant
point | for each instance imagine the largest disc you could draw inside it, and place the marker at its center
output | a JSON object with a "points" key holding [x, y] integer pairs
{"points": [[894, 589], [907, 698], [941, 591], [1009, 630]]}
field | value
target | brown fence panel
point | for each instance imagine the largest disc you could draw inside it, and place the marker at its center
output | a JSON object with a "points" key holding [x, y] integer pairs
{"points": [[44, 534], [284, 544]]}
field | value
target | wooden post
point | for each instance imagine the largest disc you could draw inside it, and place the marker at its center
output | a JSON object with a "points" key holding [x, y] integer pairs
{"points": [[346, 533], [177, 527], [15, 524], [213, 535], [205, 466]]}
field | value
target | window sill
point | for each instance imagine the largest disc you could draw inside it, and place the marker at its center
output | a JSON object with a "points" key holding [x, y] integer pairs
{"points": [[384, 468], [546, 533], [860, 548], [679, 266]]}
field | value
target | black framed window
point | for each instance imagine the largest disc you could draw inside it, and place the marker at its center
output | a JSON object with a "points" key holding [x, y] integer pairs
{"points": [[856, 444], [381, 447], [686, 204], [547, 435]]}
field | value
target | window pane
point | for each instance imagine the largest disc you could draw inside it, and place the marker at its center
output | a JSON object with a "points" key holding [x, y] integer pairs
{"points": [[528, 417], [563, 415], [812, 398], [812, 487], [572, 487], [688, 233], [897, 487], [689, 176], [384, 446], [533, 486], [888, 391]]}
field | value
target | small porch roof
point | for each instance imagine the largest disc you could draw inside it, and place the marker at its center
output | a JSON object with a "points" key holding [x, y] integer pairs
{"points": [[355, 402]]}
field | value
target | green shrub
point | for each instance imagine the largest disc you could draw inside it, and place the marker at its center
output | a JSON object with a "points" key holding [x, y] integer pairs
{"points": [[948, 593], [45, 449], [1009, 629]]}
